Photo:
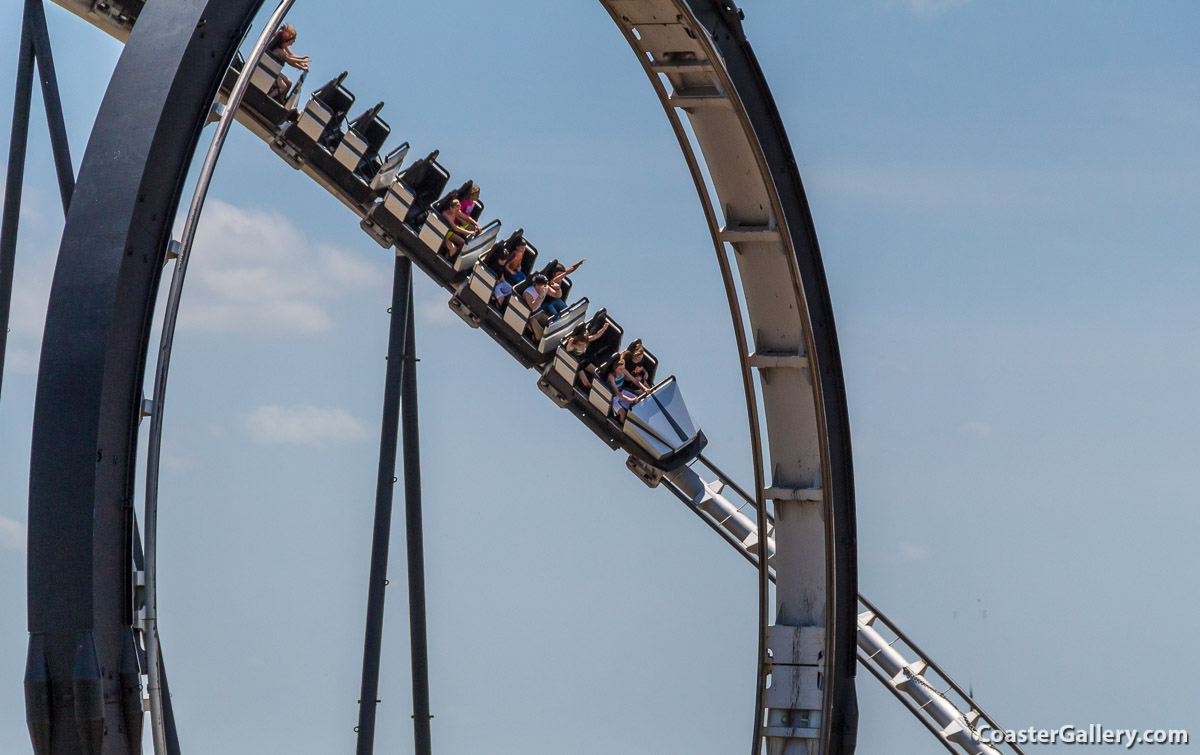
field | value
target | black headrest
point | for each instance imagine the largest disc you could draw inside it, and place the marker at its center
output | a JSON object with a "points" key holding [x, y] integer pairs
{"points": [[465, 188], [335, 96], [426, 178], [444, 202], [513, 238], [607, 344], [374, 129]]}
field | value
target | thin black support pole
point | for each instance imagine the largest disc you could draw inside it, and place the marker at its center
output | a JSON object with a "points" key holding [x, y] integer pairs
{"points": [[394, 377], [35, 19], [14, 182], [416, 547]]}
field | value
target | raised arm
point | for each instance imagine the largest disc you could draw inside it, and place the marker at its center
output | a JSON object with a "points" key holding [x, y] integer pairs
{"points": [[597, 334]]}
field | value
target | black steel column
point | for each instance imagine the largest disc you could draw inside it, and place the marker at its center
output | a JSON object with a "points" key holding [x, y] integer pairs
{"points": [[15, 182], [416, 547], [398, 336], [35, 19], [98, 324]]}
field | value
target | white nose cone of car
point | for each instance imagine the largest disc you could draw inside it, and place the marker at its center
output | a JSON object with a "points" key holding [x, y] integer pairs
{"points": [[660, 422]]}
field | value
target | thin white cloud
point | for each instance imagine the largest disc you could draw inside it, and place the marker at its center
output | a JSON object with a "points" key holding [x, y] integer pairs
{"points": [[32, 275], [253, 271], [303, 424], [31, 292], [32, 202], [435, 311], [12, 535], [933, 7], [172, 458], [429, 302], [977, 429], [910, 552]]}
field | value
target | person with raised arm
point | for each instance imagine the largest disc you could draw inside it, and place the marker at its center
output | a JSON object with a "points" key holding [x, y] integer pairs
{"points": [[554, 304], [577, 346]]}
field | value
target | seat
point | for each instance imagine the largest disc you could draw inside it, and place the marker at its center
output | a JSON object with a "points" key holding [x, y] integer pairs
{"points": [[461, 191], [517, 313], [650, 362], [486, 273], [436, 227], [600, 396], [426, 179], [358, 150], [433, 233], [566, 365], [266, 115], [266, 72], [548, 333], [477, 247], [386, 218], [321, 120]]}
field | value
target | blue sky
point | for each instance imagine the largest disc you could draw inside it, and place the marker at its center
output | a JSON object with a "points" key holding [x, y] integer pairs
{"points": [[1005, 196]]}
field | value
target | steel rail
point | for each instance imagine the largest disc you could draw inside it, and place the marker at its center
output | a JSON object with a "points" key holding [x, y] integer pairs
{"points": [[972, 706], [715, 63], [780, 217], [756, 110], [167, 340], [912, 707], [747, 374], [936, 668]]}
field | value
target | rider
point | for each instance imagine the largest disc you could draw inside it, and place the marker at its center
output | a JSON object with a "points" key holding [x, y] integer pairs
{"points": [[280, 48]]}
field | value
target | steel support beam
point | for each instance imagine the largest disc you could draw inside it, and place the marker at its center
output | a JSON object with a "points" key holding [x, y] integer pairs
{"points": [[34, 45], [414, 527], [93, 361], [399, 399], [14, 182], [723, 19], [399, 336], [35, 17]]}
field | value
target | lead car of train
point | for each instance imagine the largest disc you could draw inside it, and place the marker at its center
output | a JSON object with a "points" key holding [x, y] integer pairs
{"points": [[399, 205]]}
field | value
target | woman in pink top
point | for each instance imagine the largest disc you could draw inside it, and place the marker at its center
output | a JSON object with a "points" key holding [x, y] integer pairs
{"points": [[469, 195]]}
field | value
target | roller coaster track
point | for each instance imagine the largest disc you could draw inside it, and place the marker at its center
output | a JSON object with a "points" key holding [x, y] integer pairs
{"points": [[796, 526]]}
